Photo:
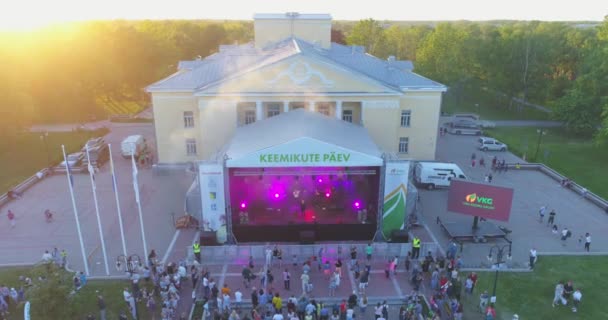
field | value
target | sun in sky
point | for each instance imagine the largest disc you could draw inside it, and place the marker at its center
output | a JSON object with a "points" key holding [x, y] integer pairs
{"points": [[31, 14]]}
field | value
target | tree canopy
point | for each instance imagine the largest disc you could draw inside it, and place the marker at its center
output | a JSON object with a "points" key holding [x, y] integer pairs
{"points": [[561, 65], [78, 71]]}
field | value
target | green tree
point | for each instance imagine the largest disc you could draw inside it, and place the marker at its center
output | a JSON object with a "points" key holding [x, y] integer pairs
{"points": [[370, 34], [404, 42]]}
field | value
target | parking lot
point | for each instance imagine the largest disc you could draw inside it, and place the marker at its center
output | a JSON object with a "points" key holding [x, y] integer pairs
{"points": [[160, 196], [532, 189]]}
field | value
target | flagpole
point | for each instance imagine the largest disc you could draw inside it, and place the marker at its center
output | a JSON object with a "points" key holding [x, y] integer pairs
{"points": [[68, 175], [137, 199], [115, 185], [94, 188]]}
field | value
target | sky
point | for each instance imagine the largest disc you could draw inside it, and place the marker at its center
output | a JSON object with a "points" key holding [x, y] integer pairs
{"points": [[21, 14]]}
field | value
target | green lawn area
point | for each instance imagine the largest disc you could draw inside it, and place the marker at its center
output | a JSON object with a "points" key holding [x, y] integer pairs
{"points": [[486, 105], [578, 159], [85, 300], [530, 294], [25, 154]]}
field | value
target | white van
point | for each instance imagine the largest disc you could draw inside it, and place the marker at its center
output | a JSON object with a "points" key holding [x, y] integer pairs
{"points": [[132, 145], [431, 175]]}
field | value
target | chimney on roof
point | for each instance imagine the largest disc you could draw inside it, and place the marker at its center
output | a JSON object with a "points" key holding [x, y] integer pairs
{"points": [[271, 28]]}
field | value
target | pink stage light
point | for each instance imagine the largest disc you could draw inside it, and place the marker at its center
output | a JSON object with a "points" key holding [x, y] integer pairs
{"points": [[327, 194], [276, 195], [357, 204], [320, 180], [243, 205]]}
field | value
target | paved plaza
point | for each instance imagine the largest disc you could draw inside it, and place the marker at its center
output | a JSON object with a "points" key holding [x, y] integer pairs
{"points": [[160, 195], [532, 189]]}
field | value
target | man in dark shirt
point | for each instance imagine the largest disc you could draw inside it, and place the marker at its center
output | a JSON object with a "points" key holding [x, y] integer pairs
{"points": [[568, 289], [551, 220], [254, 298]]}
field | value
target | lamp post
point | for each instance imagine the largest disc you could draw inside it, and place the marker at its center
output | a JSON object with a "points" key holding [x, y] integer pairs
{"points": [[541, 132], [44, 137], [500, 253]]}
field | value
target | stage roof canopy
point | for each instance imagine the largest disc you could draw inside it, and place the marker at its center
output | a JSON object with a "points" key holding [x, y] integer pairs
{"points": [[302, 138]]}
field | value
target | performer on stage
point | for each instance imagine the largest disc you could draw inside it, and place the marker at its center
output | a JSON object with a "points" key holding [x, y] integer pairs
{"points": [[302, 207]]}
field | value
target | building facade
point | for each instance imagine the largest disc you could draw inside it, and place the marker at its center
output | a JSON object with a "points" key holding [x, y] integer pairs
{"points": [[291, 65]]}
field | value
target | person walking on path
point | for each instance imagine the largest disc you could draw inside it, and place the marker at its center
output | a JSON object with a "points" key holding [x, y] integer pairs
{"points": [[304, 278], [533, 257], [64, 258], [587, 241], [11, 218], [541, 213], [268, 255], [286, 279], [353, 255], [369, 250], [551, 220], [415, 248], [196, 248], [565, 235]]}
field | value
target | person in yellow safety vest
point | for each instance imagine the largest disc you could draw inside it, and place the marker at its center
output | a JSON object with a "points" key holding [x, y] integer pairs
{"points": [[415, 247], [196, 248]]}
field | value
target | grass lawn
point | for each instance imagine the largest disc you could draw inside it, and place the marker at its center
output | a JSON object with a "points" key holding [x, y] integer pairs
{"points": [[488, 107], [578, 159], [530, 294], [25, 154], [85, 300]]}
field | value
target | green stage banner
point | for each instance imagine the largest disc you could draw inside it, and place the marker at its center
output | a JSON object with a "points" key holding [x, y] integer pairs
{"points": [[213, 201], [395, 195]]}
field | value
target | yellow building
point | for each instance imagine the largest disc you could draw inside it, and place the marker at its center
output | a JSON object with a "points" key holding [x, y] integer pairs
{"points": [[292, 64], [337, 169]]}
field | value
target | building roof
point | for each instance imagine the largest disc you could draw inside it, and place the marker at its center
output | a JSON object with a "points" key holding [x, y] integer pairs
{"points": [[300, 123], [292, 15], [234, 60]]}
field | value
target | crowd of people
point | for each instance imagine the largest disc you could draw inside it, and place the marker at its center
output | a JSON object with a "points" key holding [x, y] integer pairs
{"points": [[268, 304]]}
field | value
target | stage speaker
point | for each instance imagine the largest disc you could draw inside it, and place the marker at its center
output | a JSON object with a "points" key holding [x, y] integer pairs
{"points": [[399, 236], [307, 237], [208, 238]]}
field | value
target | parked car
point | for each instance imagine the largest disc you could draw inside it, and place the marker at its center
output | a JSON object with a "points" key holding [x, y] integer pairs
{"points": [[464, 127], [490, 144], [469, 116], [93, 143], [487, 124], [74, 159], [132, 145]]}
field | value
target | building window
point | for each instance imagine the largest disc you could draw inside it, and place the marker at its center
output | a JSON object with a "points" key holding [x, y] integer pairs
{"points": [[323, 109], [188, 119], [273, 110], [249, 116], [296, 105], [347, 115], [191, 147], [406, 116], [404, 144]]}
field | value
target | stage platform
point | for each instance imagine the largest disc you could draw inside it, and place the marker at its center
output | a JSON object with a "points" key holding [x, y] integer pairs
{"points": [[465, 232], [304, 233]]}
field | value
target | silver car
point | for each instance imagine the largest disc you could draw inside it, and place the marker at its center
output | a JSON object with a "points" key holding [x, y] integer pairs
{"points": [[490, 144]]}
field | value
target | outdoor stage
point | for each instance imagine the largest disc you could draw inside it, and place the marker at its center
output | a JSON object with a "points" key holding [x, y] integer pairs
{"points": [[287, 204]]}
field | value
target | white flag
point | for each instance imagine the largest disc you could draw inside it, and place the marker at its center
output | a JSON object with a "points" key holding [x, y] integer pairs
{"points": [[90, 167], [135, 184]]}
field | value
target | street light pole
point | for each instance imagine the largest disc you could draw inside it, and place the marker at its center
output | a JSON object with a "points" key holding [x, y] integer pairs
{"points": [[44, 138], [541, 132], [500, 252]]}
